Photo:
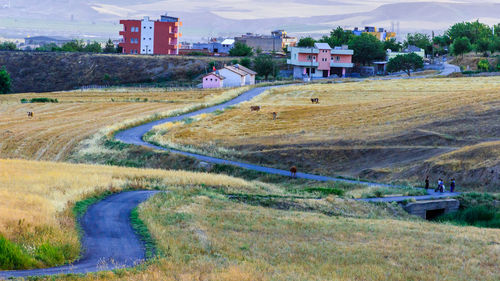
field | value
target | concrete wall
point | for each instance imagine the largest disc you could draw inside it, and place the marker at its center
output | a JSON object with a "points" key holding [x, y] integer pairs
{"points": [[232, 79], [211, 81], [420, 208]]}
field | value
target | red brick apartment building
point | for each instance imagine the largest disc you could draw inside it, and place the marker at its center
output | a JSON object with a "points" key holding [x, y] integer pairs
{"points": [[160, 37]]}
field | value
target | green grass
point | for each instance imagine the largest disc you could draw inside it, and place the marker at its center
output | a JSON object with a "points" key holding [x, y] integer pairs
{"points": [[13, 257], [143, 232]]}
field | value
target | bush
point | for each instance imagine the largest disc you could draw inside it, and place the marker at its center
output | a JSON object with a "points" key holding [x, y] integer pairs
{"points": [[483, 65], [5, 82], [325, 191], [39, 100], [476, 214], [12, 257]]}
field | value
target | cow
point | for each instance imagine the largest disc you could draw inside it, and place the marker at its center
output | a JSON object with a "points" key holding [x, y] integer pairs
{"points": [[275, 115], [254, 108], [315, 100], [31, 114], [293, 172]]}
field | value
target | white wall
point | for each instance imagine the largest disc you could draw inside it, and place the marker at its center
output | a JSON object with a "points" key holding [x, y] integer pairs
{"points": [[232, 79], [147, 36]]}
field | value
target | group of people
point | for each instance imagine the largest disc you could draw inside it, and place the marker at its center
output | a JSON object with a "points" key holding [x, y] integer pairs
{"points": [[440, 185]]}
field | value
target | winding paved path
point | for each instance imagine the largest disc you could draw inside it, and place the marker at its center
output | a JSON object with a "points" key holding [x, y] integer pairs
{"points": [[108, 239], [135, 136]]}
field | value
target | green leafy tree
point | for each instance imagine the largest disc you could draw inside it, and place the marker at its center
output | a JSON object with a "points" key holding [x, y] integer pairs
{"points": [[93, 47], [367, 48], [52, 47], [338, 37], [392, 45], [109, 48], [246, 62], [495, 45], [423, 41], [407, 63], [241, 50], [483, 46], [461, 46], [471, 30], [5, 82], [264, 65], [483, 65], [8, 46], [73, 46], [442, 41], [306, 42]]}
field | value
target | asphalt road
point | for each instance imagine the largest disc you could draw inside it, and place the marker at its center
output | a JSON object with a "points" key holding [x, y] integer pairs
{"points": [[135, 136], [109, 241]]}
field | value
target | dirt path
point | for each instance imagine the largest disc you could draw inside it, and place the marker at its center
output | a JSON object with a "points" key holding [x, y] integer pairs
{"points": [[108, 242]]}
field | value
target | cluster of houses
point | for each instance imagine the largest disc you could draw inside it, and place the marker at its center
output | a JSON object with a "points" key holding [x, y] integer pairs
{"points": [[229, 76]]}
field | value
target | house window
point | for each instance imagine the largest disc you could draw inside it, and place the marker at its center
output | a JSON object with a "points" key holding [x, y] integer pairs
{"points": [[211, 79], [313, 70]]}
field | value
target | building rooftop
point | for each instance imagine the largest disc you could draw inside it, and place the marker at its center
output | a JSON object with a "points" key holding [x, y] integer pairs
{"points": [[247, 70], [322, 46], [236, 70], [228, 42]]}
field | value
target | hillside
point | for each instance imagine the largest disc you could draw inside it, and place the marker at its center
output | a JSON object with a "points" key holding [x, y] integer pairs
{"points": [[377, 130], [47, 71]]}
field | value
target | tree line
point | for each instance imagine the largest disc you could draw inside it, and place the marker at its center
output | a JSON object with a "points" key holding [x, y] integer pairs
{"points": [[72, 46]]}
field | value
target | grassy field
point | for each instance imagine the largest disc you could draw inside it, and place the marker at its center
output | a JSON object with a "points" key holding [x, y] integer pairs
{"points": [[380, 130], [57, 128], [201, 235], [37, 199]]}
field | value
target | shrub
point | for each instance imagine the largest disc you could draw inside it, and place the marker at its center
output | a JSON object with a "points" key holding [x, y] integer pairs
{"points": [[40, 100], [478, 213], [483, 65], [325, 191], [12, 257], [5, 82]]}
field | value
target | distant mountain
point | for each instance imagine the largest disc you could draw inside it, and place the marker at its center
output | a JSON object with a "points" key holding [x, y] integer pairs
{"points": [[100, 19]]}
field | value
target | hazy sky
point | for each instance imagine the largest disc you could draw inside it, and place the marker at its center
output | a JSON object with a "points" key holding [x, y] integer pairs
{"points": [[253, 9]]}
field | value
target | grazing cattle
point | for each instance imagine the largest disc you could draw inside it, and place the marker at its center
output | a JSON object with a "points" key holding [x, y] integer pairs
{"points": [[315, 100], [293, 172], [275, 115], [31, 114], [255, 108]]}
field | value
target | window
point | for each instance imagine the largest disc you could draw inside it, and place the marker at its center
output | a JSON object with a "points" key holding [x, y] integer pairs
{"points": [[150, 27], [313, 70], [210, 79], [337, 58]]}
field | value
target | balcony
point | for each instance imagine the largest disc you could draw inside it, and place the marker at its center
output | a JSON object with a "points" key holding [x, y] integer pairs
{"points": [[302, 63], [341, 64]]}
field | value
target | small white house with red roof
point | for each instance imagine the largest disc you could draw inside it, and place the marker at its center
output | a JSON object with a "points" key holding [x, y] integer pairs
{"points": [[213, 80]]}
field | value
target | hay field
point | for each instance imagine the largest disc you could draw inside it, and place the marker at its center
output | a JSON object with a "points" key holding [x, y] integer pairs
{"points": [[353, 126], [201, 235], [57, 128], [37, 198]]}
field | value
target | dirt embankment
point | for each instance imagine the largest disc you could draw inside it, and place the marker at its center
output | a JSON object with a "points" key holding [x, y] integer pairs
{"points": [[48, 71]]}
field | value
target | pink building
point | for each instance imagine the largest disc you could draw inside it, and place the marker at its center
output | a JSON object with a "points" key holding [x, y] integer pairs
{"points": [[213, 80], [320, 61]]}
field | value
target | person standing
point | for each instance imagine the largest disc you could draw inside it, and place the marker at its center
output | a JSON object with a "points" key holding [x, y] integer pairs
{"points": [[452, 185], [427, 183]]}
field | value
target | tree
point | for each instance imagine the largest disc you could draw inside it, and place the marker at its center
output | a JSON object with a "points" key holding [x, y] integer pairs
{"points": [[483, 46], [495, 45], [423, 41], [461, 46], [93, 47], [8, 46], [405, 63], [5, 82], [392, 45], [246, 62], [338, 37], [109, 48], [241, 50], [264, 65], [471, 30], [306, 42], [367, 48], [442, 41], [52, 47], [73, 46]]}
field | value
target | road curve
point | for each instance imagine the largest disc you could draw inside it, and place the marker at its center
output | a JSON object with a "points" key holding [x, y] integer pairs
{"points": [[135, 136], [108, 239]]}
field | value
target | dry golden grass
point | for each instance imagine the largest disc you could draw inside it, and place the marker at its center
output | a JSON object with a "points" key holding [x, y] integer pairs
{"points": [[351, 111], [203, 236], [57, 128], [483, 155], [36, 195]]}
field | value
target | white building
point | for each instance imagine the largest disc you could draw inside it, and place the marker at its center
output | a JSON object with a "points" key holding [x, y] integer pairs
{"points": [[234, 76]]}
